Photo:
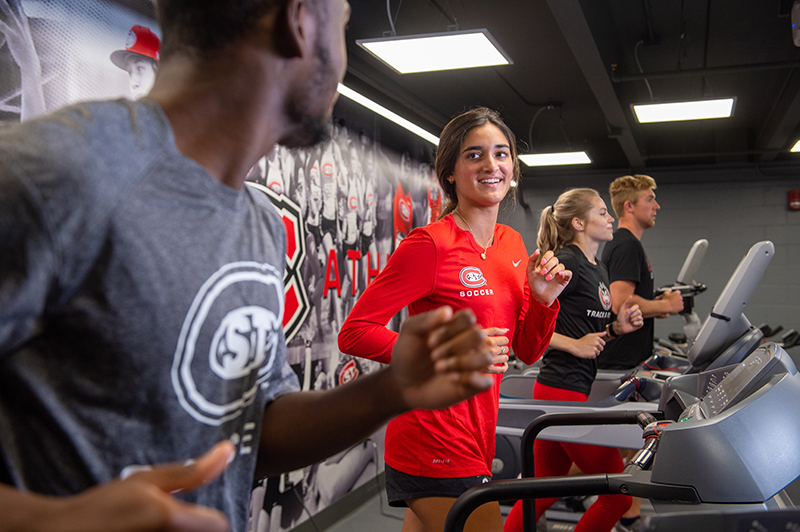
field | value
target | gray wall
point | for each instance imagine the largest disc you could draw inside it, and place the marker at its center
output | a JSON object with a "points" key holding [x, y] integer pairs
{"points": [[733, 209]]}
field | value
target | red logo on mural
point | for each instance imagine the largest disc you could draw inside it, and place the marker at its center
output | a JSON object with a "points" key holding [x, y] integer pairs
{"points": [[405, 209], [296, 306], [348, 373]]}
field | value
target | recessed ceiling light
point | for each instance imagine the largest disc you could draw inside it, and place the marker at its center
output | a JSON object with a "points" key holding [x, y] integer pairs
{"points": [[437, 51], [678, 111], [384, 112], [555, 159]]}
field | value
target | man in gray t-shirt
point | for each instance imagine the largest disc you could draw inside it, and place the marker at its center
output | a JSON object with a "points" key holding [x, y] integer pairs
{"points": [[141, 295]]}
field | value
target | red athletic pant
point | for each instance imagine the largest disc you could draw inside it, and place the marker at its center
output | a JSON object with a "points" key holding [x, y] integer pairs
{"points": [[553, 459]]}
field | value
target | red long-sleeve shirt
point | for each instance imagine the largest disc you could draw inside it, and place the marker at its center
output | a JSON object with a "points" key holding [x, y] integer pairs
{"points": [[436, 265]]}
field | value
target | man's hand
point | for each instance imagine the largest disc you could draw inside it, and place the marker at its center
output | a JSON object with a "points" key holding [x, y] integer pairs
{"points": [[140, 503], [674, 301], [547, 277], [630, 317], [439, 359]]}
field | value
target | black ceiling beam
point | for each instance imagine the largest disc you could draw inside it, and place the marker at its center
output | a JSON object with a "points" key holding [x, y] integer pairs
{"points": [[573, 25], [781, 127], [690, 72]]}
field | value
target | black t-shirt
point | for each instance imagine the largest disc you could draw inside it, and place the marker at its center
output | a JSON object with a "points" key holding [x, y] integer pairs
{"points": [[626, 260], [585, 308]]}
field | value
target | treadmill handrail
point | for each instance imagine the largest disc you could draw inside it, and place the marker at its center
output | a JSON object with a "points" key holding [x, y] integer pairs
{"points": [[627, 417], [540, 488]]}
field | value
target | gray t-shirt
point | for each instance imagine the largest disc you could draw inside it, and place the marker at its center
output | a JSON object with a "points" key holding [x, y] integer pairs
{"points": [[141, 304]]}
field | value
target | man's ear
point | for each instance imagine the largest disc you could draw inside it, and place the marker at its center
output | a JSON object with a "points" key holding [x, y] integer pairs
{"points": [[627, 206], [293, 30]]}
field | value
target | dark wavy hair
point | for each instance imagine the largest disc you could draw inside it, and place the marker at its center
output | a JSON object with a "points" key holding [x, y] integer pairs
{"points": [[450, 146]]}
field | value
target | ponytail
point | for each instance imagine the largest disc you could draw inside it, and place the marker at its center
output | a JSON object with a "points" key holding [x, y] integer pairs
{"points": [[555, 224], [547, 240]]}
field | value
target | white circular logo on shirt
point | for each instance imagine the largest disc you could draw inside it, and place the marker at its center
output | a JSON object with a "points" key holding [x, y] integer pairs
{"points": [[242, 342], [472, 277], [227, 349], [605, 295]]}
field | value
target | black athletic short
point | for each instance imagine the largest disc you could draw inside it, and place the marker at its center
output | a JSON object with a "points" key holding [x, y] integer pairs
{"points": [[401, 487]]}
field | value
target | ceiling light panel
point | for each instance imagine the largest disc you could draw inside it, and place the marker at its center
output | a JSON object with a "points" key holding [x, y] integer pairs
{"points": [[555, 159], [437, 51], [679, 111], [384, 112]]}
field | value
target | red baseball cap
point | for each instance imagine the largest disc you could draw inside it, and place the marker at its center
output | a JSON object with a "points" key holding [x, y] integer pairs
{"points": [[141, 42]]}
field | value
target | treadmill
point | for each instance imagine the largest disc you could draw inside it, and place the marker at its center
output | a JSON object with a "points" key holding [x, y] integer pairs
{"points": [[727, 441], [726, 338]]}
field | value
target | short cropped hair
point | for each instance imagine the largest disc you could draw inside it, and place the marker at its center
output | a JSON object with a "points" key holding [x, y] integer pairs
{"points": [[198, 28], [627, 188]]}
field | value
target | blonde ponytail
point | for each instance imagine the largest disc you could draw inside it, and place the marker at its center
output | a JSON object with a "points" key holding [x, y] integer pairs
{"points": [[555, 224]]}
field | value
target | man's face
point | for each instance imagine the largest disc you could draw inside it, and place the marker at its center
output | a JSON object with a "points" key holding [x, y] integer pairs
{"points": [[311, 106], [645, 208], [142, 72]]}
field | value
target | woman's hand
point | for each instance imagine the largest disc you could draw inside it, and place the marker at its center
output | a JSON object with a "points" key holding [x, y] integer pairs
{"points": [[629, 318], [547, 277], [588, 346], [499, 348]]}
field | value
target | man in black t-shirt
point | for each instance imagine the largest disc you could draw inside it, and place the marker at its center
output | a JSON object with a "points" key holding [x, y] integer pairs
{"points": [[629, 270]]}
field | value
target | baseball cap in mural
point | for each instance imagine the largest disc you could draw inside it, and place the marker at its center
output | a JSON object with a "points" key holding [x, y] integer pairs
{"points": [[142, 42]]}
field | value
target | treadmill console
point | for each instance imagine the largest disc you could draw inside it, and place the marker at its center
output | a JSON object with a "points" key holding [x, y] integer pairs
{"points": [[742, 380], [740, 441]]}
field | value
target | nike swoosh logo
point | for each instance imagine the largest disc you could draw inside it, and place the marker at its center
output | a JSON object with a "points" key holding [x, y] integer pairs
{"points": [[516, 263]]}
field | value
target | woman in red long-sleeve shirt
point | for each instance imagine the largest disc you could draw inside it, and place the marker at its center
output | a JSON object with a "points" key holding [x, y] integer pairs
{"points": [[464, 260]]}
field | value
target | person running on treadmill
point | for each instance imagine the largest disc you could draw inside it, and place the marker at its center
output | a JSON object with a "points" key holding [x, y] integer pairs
{"points": [[634, 200], [141, 289], [468, 259], [574, 227]]}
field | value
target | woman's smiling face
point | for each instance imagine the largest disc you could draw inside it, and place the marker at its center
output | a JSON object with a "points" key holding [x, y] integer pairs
{"points": [[484, 168]]}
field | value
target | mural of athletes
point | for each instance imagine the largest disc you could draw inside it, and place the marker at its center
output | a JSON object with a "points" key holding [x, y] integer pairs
{"points": [[345, 205]]}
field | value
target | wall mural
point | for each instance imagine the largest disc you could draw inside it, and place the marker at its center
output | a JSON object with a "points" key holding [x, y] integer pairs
{"points": [[345, 205]]}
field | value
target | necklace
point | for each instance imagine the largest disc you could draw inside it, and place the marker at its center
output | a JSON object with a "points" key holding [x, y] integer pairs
{"points": [[489, 243]]}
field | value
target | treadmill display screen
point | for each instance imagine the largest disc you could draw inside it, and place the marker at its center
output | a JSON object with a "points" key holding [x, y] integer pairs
{"points": [[732, 386]]}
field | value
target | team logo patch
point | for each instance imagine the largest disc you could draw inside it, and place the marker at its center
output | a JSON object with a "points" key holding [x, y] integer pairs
{"points": [[472, 277], [405, 209], [225, 350], [349, 372], [605, 295]]}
